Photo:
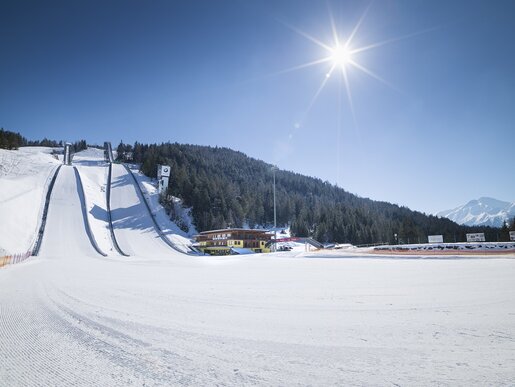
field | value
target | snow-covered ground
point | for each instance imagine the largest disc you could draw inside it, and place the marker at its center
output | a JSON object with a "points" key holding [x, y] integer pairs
{"points": [[178, 237], [159, 317], [93, 171], [262, 320], [66, 233], [132, 224], [24, 177]]}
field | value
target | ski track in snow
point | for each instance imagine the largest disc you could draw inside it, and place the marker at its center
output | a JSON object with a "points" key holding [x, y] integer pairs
{"points": [[159, 318]]}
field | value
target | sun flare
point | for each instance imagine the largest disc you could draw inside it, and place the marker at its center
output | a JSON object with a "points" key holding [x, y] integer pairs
{"points": [[341, 56]]}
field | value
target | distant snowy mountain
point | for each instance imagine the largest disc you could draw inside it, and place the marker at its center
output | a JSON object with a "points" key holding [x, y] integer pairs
{"points": [[481, 212]]}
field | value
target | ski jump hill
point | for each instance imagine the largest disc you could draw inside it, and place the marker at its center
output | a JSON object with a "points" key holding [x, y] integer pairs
{"points": [[114, 298], [94, 207]]}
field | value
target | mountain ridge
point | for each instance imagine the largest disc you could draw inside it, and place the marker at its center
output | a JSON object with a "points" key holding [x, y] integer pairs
{"points": [[485, 211]]}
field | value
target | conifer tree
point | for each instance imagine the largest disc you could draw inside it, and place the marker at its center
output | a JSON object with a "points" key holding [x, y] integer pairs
{"points": [[225, 187]]}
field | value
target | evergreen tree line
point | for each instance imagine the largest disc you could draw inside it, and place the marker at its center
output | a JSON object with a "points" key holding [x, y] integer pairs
{"points": [[45, 142], [11, 140], [14, 140], [507, 226], [226, 188], [78, 146]]}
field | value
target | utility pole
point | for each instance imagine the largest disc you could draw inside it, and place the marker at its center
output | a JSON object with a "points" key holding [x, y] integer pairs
{"points": [[274, 168]]}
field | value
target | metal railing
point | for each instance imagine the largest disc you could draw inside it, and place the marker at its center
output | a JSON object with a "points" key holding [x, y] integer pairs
{"points": [[39, 239]]}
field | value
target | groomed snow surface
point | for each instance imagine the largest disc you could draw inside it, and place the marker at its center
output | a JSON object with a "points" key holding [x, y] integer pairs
{"points": [[24, 177], [159, 317]]}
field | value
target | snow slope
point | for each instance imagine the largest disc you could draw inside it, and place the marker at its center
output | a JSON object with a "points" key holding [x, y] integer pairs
{"points": [[24, 177], [179, 238], [65, 231], [481, 212], [70, 317], [93, 171], [132, 224]]}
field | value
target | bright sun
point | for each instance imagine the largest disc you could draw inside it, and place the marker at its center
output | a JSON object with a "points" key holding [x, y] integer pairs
{"points": [[341, 55]]}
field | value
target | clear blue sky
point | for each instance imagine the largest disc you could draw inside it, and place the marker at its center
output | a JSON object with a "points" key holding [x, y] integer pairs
{"points": [[205, 72]]}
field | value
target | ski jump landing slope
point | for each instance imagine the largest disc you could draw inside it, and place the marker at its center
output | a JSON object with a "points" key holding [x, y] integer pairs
{"points": [[66, 231], [132, 224]]}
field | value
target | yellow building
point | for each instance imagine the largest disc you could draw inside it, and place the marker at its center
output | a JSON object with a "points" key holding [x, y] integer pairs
{"points": [[233, 241]]}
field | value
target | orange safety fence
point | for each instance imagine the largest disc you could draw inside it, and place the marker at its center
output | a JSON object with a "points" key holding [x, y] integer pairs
{"points": [[14, 258]]}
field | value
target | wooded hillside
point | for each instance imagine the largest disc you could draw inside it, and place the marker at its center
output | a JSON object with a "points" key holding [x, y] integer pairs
{"points": [[227, 188]]}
